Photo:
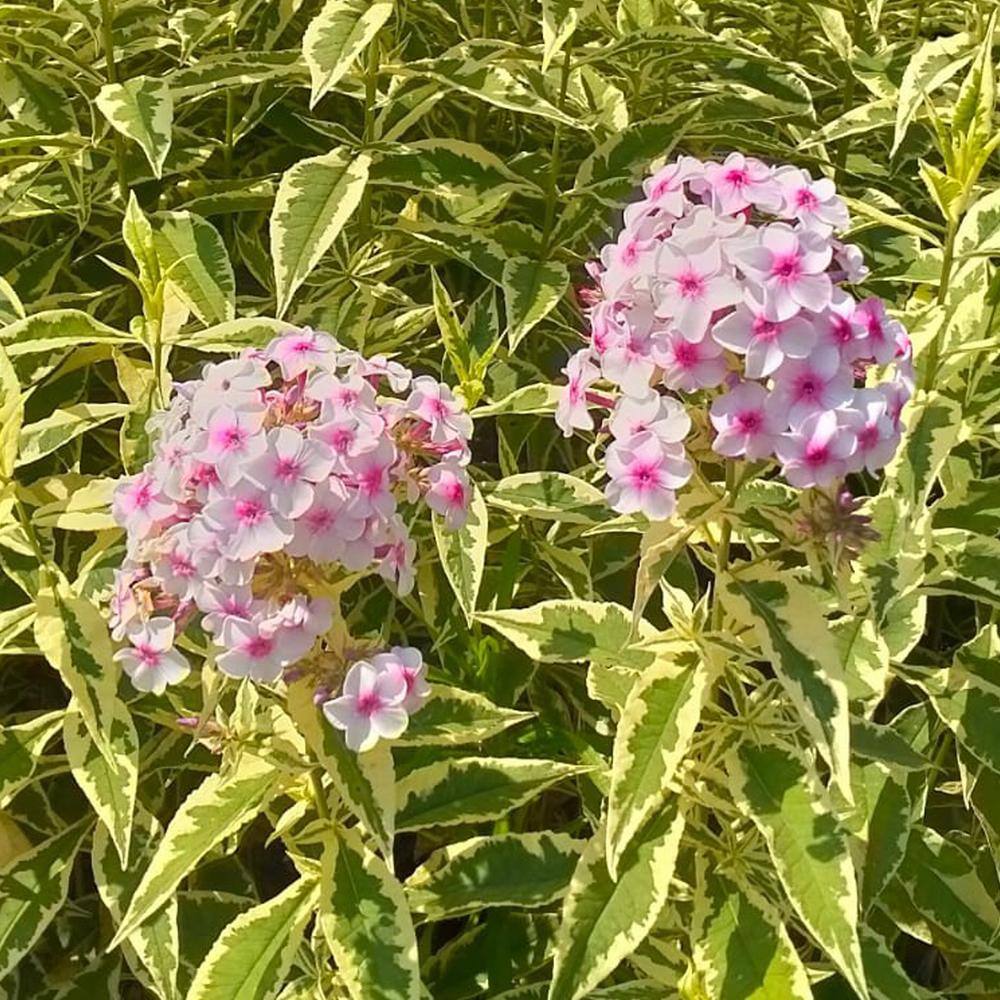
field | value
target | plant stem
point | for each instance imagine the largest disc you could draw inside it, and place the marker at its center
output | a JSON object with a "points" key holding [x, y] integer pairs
{"points": [[918, 19], [947, 262], [111, 68], [552, 188], [319, 793], [371, 92], [725, 538]]}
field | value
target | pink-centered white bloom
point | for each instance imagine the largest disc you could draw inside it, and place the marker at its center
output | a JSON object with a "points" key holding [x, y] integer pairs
{"points": [[816, 452], [149, 660], [448, 493], [371, 706], [814, 203], [876, 431], [692, 285], [248, 522], [327, 529], [765, 342], [290, 468], [644, 473], [807, 385], [571, 411], [435, 404], [301, 350], [231, 439], [662, 416], [748, 421], [739, 182], [689, 366], [254, 650], [138, 504], [406, 662]]}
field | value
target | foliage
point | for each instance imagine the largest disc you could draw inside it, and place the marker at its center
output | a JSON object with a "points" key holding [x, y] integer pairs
{"points": [[750, 751]]}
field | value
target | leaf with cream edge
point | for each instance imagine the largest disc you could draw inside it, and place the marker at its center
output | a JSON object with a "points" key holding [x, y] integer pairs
{"points": [[365, 921], [473, 789], [315, 199], [549, 496], [603, 921], [20, 748], [11, 415], [336, 36], [193, 257], [252, 956], [559, 21], [110, 783], [654, 732], [793, 634], [49, 434], [141, 109], [531, 289], [512, 869], [463, 552], [33, 888], [741, 948], [152, 950], [775, 786], [366, 781], [53, 329], [222, 804], [452, 716], [73, 636]]}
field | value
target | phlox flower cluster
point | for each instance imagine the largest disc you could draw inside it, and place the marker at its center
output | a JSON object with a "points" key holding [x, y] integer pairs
{"points": [[726, 284], [268, 471]]}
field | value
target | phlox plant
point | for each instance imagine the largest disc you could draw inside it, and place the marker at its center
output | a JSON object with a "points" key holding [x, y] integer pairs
{"points": [[499, 501]]}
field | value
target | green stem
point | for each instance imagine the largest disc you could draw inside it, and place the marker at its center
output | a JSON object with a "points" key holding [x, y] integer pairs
{"points": [[319, 793], [845, 144], [947, 262], [111, 69], [371, 92], [552, 189], [725, 539], [918, 19]]}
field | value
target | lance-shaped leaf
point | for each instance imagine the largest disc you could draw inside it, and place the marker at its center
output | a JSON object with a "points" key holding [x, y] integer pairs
{"points": [[604, 921], [549, 496], [222, 804], [793, 634], [657, 724], [152, 950], [109, 782], [11, 415], [142, 109], [20, 747], [559, 21], [513, 869], [366, 781], [741, 947], [777, 789], [50, 433], [315, 199], [336, 36], [884, 800], [471, 789], [565, 631], [35, 98], [529, 399], [531, 289], [53, 329], [192, 255], [252, 956], [73, 636], [234, 335], [366, 922], [965, 564], [33, 889], [463, 552], [451, 717]]}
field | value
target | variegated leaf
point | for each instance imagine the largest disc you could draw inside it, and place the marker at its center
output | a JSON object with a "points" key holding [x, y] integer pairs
{"points": [[451, 716], [463, 552], [532, 289], [549, 496], [141, 109]]}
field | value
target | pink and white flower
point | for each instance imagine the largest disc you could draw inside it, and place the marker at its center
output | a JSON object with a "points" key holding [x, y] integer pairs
{"points": [[689, 366], [748, 421], [406, 662], [370, 708], [662, 416], [644, 473], [876, 431], [301, 350], [289, 469], [138, 504], [740, 182], [448, 491], [150, 660], [814, 203], [571, 410], [807, 385], [691, 285], [247, 521], [816, 453], [765, 342], [254, 650]]}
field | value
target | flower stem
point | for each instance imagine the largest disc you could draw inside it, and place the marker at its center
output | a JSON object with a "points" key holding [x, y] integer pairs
{"points": [[552, 189], [934, 348], [319, 793], [371, 93], [725, 538], [111, 68]]}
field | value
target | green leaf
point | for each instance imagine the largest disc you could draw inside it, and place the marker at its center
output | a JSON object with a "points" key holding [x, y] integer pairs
{"points": [[234, 335], [463, 552], [741, 948], [888, 817], [654, 732], [779, 792], [979, 232], [531, 291], [35, 98], [193, 257], [109, 782], [549, 496], [529, 399], [252, 956], [235, 69], [33, 889], [11, 415], [141, 109], [793, 634], [73, 637], [965, 563], [49, 434], [603, 920], [315, 199], [152, 950], [514, 869], [452, 335], [365, 781], [451, 717], [559, 21], [221, 805], [465, 243], [336, 36], [53, 329], [366, 922], [931, 66], [20, 748], [471, 789]]}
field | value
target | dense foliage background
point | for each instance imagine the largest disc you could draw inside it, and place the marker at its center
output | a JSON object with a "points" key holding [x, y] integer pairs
{"points": [[671, 704]]}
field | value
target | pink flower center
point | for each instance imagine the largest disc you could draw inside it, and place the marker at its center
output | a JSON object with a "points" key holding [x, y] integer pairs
{"points": [[148, 656], [841, 329], [232, 606], [737, 178], [259, 646], [817, 454], [410, 677], [660, 188], [685, 354], [868, 437], [575, 390], [630, 253], [286, 469], [320, 520], [371, 480], [808, 387], [764, 329], [786, 266], [692, 286], [369, 703], [232, 438], [644, 476], [249, 512], [749, 421], [180, 565], [454, 494], [302, 346], [805, 199], [438, 408], [142, 496]]}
